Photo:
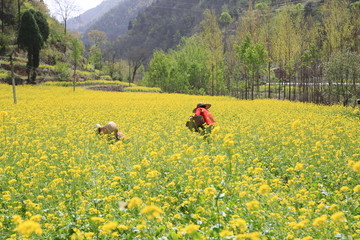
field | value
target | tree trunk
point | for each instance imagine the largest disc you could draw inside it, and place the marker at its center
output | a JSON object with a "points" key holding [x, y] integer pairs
{"points": [[19, 13], [212, 80], [269, 77], [2, 14], [13, 78], [74, 81]]}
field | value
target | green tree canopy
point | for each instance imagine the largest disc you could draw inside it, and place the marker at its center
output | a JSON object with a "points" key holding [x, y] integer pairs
{"points": [[33, 33]]}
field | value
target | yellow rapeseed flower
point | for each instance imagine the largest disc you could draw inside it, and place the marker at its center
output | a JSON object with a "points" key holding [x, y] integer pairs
{"points": [[109, 227], [226, 233], [36, 218], [356, 167], [320, 221], [210, 191], [189, 229], [238, 224], [28, 227], [249, 236], [264, 189], [134, 202], [16, 219], [151, 211], [338, 217], [253, 205], [97, 219]]}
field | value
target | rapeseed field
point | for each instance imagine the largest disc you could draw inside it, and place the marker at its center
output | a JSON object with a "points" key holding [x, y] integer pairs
{"points": [[270, 169]]}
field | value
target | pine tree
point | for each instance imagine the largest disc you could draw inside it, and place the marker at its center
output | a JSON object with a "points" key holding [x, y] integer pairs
{"points": [[30, 39]]}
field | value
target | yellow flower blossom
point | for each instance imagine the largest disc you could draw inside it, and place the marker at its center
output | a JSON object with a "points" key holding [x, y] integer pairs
{"points": [[338, 217], [264, 189], [253, 205], [189, 229], [97, 219], [320, 221], [109, 227], [16, 219], [36, 218], [239, 224], [28, 227], [151, 211], [134, 202], [356, 167], [226, 233]]}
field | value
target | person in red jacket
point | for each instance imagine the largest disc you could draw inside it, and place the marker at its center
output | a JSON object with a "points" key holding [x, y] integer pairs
{"points": [[202, 109]]}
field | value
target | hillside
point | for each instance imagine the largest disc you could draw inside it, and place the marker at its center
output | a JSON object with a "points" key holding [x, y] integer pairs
{"points": [[83, 21], [165, 22]]}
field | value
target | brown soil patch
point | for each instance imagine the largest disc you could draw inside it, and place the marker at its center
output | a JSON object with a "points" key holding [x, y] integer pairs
{"points": [[117, 88]]}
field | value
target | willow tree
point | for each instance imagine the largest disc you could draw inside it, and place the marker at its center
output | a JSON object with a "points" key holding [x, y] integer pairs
{"points": [[33, 33]]}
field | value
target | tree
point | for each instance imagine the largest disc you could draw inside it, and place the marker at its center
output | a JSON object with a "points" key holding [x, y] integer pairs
{"points": [[66, 9], [183, 70], [95, 57], [96, 53], [225, 19], [253, 57], [160, 67], [98, 37], [191, 72], [136, 59], [286, 42], [76, 55], [337, 27], [343, 73], [212, 38], [31, 38]]}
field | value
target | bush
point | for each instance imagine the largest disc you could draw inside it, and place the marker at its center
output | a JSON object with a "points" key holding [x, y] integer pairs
{"points": [[64, 71]]}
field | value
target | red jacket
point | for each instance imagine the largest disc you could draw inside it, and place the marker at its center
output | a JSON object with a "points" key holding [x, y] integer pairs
{"points": [[208, 117]]}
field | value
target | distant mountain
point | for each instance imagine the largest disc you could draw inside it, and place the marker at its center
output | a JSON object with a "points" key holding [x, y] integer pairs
{"points": [[116, 21], [111, 17], [83, 21], [165, 22]]}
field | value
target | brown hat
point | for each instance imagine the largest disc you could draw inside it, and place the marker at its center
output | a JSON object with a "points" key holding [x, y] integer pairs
{"points": [[206, 105], [201, 104]]}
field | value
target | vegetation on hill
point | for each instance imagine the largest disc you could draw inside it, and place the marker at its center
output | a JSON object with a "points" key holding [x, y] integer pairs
{"points": [[56, 59], [306, 52]]}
